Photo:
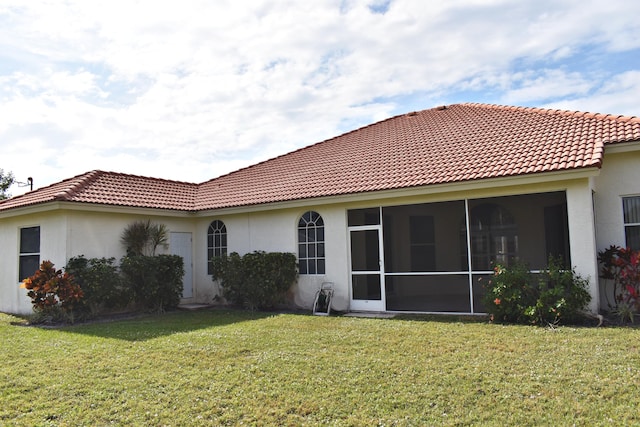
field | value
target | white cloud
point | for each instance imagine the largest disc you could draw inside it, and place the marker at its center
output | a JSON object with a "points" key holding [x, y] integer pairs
{"points": [[532, 87], [192, 90], [620, 96]]}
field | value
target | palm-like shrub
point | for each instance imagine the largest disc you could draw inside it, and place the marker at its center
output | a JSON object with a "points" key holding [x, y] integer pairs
{"points": [[144, 237]]}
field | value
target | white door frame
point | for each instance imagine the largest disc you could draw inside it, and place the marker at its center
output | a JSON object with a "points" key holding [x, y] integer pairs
{"points": [[368, 305]]}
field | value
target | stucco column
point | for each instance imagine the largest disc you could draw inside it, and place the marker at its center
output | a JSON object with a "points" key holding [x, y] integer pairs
{"points": [[582, 236]]}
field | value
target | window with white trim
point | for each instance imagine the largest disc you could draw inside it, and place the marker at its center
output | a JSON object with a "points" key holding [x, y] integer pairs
{"points": [[311, 243], [29, 259], [631, 212], [216, 242]]}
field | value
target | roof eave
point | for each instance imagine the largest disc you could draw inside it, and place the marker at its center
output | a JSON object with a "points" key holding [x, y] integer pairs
{"points": [[30, 209], [622, 147], [91, 207], [432, 189]]}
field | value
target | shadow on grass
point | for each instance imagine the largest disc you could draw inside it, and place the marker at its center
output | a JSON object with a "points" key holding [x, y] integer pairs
{"points": [[150, 326]]}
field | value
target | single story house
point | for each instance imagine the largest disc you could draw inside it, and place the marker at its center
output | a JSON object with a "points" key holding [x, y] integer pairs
{"points": [[403, 215]]}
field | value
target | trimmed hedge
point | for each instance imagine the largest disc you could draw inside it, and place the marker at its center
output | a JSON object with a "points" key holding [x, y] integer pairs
{"points": [[101, 284], [156, 281], [257, 280]]}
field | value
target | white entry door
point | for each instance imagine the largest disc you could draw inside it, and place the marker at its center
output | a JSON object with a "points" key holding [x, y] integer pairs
{"points": [[367, 278], [180, 244]]}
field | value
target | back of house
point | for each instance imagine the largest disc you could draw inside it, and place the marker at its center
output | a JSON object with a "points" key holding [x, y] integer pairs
{"points": [[409, 214]]}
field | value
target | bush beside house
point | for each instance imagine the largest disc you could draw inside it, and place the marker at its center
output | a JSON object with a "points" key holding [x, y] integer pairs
{"points": [[553, 296], [257, 280], [52, 292], [95, 286], [621, 266], [102, 285], [155, 281]]}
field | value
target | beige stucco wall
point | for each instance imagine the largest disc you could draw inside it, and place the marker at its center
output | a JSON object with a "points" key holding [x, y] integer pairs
{"points": [[276, 230], [95, 231], [582, 236], [97, 234], [65, 234], [619, 177], [53, 238]]}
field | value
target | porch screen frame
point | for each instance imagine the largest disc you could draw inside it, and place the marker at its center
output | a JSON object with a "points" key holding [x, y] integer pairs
{"points": [[389, 273], [471, 274]]}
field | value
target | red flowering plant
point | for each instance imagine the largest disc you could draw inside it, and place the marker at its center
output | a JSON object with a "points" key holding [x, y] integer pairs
{"points": [[622, 267], [52, 291], [555, 295], [509, 293]]}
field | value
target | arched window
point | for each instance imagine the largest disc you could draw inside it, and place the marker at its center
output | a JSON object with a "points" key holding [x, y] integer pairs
{"points": [[216, 242], [311, 243]]}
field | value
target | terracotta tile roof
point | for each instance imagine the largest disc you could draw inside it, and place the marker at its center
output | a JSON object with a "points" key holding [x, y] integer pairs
{"points": [[456, 143], [109, 188]]}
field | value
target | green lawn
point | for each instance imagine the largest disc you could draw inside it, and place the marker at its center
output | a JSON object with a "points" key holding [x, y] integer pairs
{"points": [[228, 368]]}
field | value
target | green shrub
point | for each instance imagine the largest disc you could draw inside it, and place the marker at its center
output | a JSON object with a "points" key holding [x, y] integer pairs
{"points": [[52, 292], [144, 237], [257, 280], [562, 295], [101, 284], [510, 293], [553, 296], [156, 281], [230, 272]]}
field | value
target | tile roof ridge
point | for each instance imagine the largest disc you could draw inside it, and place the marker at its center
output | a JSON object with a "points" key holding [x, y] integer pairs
{"points": [[78, 183], [410, 113], [255, 165], [551, 111], [62, 194], [598, 152], [151, 178]]}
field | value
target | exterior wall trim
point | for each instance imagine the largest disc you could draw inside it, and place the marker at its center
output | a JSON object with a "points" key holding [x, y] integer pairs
{"points": [[93, 207], [622, 147]]}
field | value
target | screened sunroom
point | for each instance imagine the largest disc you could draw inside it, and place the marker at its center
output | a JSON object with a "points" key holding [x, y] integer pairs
{"points": [[436, 257]]}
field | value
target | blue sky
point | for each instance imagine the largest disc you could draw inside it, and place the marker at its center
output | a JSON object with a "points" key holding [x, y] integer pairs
{"points": [[192, 90]]}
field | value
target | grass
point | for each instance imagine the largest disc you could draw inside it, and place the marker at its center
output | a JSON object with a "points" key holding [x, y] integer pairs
{"points": [[228, 368]]}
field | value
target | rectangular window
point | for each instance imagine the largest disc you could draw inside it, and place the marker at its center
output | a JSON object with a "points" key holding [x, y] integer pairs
{"points": [[631, 211], [29, 252]]}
